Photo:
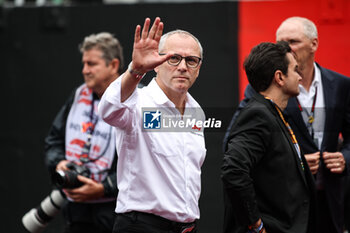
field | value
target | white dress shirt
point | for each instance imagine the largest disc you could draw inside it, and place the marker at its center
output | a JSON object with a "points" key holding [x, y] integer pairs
{"points": [[306, 99], [158, 172]]}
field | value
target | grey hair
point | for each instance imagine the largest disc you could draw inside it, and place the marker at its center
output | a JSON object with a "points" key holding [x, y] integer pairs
{"points": [[178, 31], [108, 44], [310, 29]]}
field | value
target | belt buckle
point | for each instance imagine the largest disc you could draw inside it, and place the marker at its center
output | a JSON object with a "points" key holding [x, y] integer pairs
{"points": [[188, 229]]}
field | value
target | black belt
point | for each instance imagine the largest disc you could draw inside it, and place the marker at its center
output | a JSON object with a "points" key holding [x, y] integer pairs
{"points": [[161, 222]]}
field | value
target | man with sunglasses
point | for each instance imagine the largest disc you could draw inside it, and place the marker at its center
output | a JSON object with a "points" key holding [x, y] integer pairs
{"points": [[159, 167]]}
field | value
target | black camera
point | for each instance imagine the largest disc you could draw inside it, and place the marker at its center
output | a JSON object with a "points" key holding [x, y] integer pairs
{"points": [[68, 178], [37, 218]]}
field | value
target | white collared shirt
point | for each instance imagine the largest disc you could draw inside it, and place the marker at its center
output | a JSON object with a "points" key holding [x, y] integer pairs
{"points": [[157, 172], [306, 99]]}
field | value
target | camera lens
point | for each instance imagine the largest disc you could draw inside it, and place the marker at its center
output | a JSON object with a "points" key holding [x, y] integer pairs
{"points": [[59, 178], [69, 178], [66, 179], [37, 218]]}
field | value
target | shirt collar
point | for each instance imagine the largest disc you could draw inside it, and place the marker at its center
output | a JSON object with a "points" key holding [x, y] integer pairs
{"points": [[317, 76], [160, 98], [316, 81], [157, 93]]}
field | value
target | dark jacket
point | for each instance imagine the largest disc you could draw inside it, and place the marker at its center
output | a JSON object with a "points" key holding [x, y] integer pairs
{"points": [[336, 90], [337, 101], [55, 148], [263, 175]]}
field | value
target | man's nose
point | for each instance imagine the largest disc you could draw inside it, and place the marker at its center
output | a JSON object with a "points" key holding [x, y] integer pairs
{"points": [[182, 65], [85, 69]]}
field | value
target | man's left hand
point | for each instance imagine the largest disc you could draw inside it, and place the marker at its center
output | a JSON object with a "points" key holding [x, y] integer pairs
{"points": [[334, 161], [88, 191]]}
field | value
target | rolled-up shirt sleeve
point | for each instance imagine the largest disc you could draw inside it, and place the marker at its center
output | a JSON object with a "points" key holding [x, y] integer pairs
{"points": [[112, 110]]}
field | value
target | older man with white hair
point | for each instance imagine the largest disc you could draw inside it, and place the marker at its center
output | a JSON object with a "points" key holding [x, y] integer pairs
{"points": [[159, 173]]}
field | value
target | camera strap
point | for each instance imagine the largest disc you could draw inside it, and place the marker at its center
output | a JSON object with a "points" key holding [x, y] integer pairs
{"points": [[89, 128]]}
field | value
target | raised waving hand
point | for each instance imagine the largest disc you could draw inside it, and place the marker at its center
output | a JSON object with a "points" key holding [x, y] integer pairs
{"points": [[145, 55]]}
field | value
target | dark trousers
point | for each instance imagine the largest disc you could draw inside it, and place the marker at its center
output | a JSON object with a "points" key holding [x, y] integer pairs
{"points": [[323, 215], [347, 204], [137, 222], [89, 218]]}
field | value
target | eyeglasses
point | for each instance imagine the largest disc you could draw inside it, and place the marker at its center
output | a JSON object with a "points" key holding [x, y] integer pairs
{"points": [[191, 61]]}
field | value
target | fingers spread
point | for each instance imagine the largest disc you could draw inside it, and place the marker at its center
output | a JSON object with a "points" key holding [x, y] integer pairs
{"points": [[137, 34], [154, 28], [145, 28], [159, 32]]}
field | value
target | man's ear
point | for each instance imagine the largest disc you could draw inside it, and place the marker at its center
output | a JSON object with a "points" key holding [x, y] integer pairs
{"points": [[156, 69], [279, 78], [314, 45], [115, 63]]}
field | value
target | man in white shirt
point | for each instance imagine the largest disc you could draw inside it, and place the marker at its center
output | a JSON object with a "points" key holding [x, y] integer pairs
{"points": [[158, 172]]}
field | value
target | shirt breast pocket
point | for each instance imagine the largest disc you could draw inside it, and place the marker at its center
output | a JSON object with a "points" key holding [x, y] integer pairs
{"points": [[166, 144]]}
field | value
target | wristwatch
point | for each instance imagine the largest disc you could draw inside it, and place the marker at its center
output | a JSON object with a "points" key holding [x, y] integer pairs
{"points": [[135, 73], [258, 229]]}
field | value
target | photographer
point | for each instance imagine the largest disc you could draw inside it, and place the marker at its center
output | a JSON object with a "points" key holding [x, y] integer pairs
{"points": [[80, 148]]}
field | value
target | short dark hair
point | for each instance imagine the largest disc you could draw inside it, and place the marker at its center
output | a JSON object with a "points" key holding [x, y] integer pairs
{"points": [[263, 61]]}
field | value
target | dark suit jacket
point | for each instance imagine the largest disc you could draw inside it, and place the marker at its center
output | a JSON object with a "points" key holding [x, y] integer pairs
{"points": [[336, 89], [263, 175]]}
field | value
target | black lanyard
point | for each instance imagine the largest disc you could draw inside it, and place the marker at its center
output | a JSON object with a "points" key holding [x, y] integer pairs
{"points": [[311, 115]]}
